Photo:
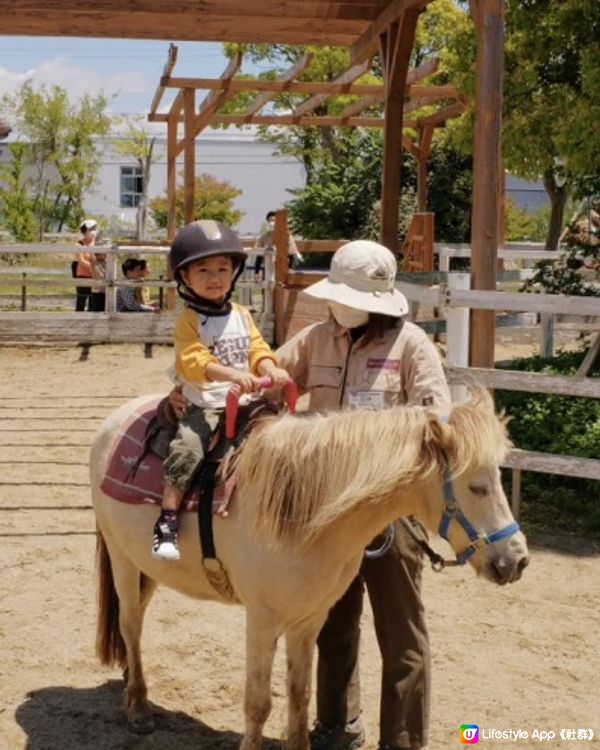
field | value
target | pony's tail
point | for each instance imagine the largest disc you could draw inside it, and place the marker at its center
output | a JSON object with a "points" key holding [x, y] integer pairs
{"points": [[110, 646]]}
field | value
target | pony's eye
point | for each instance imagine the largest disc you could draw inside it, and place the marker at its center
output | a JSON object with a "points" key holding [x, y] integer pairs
{"points": [[478, 490]]}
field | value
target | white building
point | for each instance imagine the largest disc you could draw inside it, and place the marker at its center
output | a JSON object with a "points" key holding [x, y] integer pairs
{"points": [[234, 155]]}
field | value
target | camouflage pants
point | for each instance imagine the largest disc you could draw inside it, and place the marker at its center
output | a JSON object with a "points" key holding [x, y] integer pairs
{"points": [[189, 446]]}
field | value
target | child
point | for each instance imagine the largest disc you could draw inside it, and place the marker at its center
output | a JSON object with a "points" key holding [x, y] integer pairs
{"points": [[128, 297], [216, 344]]}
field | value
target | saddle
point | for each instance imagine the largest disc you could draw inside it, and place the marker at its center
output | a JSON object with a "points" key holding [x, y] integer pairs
{"points": [[134, 472]]}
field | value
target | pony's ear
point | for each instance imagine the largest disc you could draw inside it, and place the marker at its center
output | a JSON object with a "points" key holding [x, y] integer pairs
{"points": [[438, 434]]}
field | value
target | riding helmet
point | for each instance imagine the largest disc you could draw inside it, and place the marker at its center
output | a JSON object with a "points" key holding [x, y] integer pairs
{"points": [[201, 239]]}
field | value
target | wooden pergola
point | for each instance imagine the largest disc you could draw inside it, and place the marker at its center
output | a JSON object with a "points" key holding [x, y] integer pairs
{"points": [[362, 26], [227, 86]]}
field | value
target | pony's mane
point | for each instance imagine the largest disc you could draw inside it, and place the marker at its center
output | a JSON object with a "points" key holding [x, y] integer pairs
{"points": [[304, 472]]}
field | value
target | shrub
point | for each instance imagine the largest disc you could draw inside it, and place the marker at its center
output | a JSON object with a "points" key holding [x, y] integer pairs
{"points": [[560, 425]]}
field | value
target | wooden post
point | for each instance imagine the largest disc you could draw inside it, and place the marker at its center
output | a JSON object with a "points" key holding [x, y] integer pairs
{"points": [[171, 178], [189, 160], [24, 294], [489, 25], [171, 201], [110, 275], [281, 240], [396, 46], [425, 137], [546, 335]]}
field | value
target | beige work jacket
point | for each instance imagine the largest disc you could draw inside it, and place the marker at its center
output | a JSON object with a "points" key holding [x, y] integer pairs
{"points": [[402, 367]]}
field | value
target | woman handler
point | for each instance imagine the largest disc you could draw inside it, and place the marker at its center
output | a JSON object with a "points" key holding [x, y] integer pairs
{"points": [[367, 356]]}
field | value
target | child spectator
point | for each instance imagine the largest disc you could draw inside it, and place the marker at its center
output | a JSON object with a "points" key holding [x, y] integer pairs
{"points": [[129, 298], [217, 344]]}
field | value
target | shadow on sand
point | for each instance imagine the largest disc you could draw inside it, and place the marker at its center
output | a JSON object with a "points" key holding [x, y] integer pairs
{"points": [[64, 718]]}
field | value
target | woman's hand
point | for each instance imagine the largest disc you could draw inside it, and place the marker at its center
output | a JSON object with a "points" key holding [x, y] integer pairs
{"points": [[178, 402], [279, 376]]}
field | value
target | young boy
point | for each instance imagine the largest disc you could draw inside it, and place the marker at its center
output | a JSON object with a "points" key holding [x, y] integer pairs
{"points": [[216, 344], [128, 297]]}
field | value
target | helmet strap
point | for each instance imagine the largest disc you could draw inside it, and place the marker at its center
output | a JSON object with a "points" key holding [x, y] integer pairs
{"points": [[205, 306]]}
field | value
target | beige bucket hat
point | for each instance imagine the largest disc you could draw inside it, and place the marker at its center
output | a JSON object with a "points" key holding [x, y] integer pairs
{"points": [[362, 276]]}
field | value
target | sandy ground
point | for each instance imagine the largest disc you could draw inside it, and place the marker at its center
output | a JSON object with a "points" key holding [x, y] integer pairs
{"points": [[520, 657]]}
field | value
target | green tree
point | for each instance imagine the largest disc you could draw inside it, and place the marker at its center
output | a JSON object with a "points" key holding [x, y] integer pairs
{"points": [[213, 200], [16, 208], [60, 152], [551, 96], [137, 144]]}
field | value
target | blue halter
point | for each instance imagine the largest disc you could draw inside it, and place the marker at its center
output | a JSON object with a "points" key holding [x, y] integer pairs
{"points": [[453, 512]]}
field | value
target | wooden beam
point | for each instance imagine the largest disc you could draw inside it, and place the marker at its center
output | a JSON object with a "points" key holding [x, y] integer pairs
{"points": [[488, 128], [446, 113], [289, 75], [168, 69], [213, 101], [348, 76], [192, 26], [416, 74], [283, 120], [396, 43], [368, 42], [297, 87]]}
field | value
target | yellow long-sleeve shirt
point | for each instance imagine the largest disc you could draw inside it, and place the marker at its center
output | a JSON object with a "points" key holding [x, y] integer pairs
{"points": [[232, 340]]}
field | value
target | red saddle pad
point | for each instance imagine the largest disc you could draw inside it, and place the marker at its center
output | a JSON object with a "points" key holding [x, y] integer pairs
{"points": [[144, 484]]}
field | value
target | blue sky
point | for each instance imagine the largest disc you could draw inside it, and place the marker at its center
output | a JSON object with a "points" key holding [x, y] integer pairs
{"points": [[127, 70]]}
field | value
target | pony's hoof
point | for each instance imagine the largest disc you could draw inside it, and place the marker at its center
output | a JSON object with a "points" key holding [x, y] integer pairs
{"points": [[143, 724]]}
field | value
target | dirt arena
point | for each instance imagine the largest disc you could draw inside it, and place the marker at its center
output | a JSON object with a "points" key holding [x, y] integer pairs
{"points": [[524, 657]]}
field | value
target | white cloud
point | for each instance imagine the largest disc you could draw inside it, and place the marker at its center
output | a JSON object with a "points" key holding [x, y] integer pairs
{"points": [[77, 80]]}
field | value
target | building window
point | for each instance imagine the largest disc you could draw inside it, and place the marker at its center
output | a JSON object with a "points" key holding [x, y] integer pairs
{"points": [[131, 186]]}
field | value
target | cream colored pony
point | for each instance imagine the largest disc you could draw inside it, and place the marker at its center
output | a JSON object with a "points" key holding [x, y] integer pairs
{"points": [[312, 493]]}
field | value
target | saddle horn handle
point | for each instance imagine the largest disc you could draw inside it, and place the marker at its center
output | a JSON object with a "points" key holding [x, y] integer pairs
{"points": [[233, 397]]}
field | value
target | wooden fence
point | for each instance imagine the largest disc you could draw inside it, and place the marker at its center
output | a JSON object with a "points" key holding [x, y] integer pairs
{"points": [[279, 293]]}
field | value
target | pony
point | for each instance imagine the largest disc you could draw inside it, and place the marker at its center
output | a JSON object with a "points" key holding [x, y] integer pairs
{"points": [[311, 493]]}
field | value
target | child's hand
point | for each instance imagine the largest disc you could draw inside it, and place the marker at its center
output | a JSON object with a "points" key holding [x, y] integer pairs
{"points": [[246, 382], [279, 376]]}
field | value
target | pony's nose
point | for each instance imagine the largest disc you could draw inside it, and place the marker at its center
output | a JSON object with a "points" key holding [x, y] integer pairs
{"points": [[523, 563], [508, 571]]}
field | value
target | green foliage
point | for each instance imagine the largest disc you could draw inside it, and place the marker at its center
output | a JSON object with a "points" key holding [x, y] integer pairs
{"points": [[450, 180], [16, 208], [213, 200], [575, 272], [560, 425], [338, 202], [58, 138]]}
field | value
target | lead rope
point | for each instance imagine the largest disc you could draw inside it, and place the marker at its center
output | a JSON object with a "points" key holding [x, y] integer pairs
{"points": [[415, 532]]}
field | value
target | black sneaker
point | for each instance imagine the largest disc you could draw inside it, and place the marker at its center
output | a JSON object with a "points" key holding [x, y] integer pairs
{"points": [[338, 737], [164, 543]]}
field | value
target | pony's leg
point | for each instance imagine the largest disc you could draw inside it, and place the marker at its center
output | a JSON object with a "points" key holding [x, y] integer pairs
{"points": [[133, 600], [261, 640], [300, 644]]}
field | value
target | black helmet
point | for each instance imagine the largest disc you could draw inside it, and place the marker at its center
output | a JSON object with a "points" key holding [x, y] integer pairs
{"points": [[201, 239]]}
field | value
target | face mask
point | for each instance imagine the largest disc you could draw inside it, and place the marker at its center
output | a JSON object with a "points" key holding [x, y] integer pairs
{"points": [[92, 233], [271, 225], [348, 317]]}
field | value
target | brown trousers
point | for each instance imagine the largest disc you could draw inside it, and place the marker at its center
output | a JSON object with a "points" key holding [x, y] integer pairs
{"points": [[394, 586]]}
